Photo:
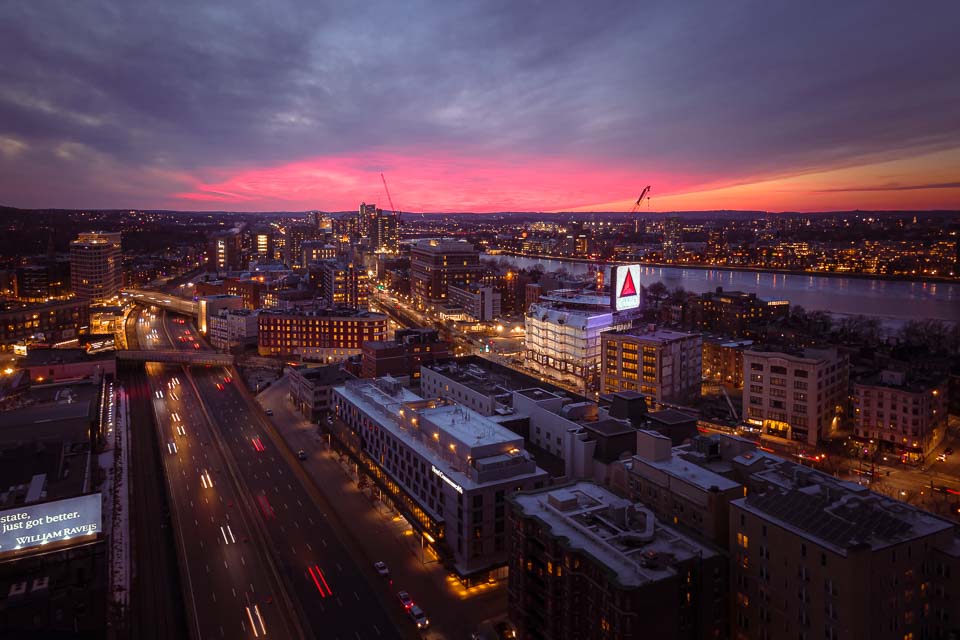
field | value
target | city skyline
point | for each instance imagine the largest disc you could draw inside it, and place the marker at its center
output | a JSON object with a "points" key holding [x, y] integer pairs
{"points": [[480, 109]]}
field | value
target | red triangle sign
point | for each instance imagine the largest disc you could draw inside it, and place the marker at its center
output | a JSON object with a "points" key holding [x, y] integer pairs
{"points": [[628, 288]]}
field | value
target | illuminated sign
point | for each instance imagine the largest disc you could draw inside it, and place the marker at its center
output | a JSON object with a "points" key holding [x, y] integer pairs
{"points": [[19, 349], [34, 525], [444, 477], [625, 287]]}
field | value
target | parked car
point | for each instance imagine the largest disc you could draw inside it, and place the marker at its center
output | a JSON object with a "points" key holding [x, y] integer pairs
{"points": [[405, 599], [269, 412], [382, 568], [302, 455]]}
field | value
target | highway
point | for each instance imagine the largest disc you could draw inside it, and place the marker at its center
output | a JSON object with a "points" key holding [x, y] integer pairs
{"points": [[335, 593], [232, 590]]}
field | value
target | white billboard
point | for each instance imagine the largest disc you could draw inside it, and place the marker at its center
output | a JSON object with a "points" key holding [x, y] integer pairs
{"points": [[625, 287], [33, 525]]}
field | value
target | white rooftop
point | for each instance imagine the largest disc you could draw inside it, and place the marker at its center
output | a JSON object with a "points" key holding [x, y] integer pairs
{"points": [[468, 426]]}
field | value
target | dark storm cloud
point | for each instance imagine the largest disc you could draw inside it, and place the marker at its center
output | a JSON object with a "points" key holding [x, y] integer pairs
{"points": [[713, 91]]}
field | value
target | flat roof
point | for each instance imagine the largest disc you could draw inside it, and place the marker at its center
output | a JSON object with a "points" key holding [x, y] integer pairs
{"points": [[835, 514], [656, 336], [622, 536], [383, 407], [468, 426], [686, 471]]}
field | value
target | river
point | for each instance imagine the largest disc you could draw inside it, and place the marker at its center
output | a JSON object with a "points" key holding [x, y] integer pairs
{"points": [[894, 302]]}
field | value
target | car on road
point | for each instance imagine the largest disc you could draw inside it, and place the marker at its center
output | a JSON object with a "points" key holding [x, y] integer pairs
{"points": [[505, 631], [405, 599], [269, 412], [948, 451], [301, 454], [942, 457], [419, 617], [381, 567], [219, 387], [172, 447]]}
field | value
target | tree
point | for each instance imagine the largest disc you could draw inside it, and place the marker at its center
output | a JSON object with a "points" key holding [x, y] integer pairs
{"points": [[656, 292]]}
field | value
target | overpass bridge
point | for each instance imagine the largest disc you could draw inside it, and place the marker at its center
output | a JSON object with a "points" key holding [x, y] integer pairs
{"points": [[173, 356], [163, 300]]}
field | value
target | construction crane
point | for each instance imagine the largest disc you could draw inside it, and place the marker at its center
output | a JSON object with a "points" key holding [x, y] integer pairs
{"points": [[636, 207], [602, 264], [390, 200]]}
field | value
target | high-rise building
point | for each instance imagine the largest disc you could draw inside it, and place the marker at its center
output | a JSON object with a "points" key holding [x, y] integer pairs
{"points": [[295, 236], [587, 564], [723, 361], [436, 264], [385, 233], [366, 219], [904, 413], [795, 397], [344, 284], [95, 266], [263, 247], [224, 252], [660, 363], [672, 239]]}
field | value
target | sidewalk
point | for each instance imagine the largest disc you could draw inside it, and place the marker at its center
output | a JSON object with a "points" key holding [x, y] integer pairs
{"points": [[382, 534]]}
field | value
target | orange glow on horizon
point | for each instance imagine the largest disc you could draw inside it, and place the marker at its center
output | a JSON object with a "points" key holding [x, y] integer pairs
{"points": [[437, 182]]}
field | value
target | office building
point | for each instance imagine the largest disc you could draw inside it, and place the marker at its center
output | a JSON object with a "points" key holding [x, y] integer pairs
{"points": [[326, 335], [735, 313], [436, 264], [211, 306], [448, 469], [904, 413], [479, 303], [344, 284], [311, 388], [232, 327], [224, 251], [250, 291], [42, 281], [796, 397], [812, 556], [586, 564], [95, 266], [315, 251], [404, 355], [262, 244], [563, 334], [49, 322], [660, 363]]}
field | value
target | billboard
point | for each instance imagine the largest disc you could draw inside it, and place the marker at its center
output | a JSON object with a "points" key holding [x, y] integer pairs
{"points": [[625, 287], [33, 525]]}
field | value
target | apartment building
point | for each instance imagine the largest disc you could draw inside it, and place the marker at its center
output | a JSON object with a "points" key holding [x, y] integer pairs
{"points": [[906, 414], [677, 490], [735, 313], [55, 321], [232, 327], [815, 557], [447, 468], [344, 284], [586, 564], [663, 364], [723, 361], [404, 355], [795, 397], [311, 388]]}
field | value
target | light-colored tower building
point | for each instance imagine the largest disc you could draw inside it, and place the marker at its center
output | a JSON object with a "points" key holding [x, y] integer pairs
{"points": [[95, 262]]}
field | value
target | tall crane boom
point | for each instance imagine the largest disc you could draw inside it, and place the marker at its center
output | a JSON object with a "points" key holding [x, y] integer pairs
{"points": [[390, 200], [643, 194]]}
